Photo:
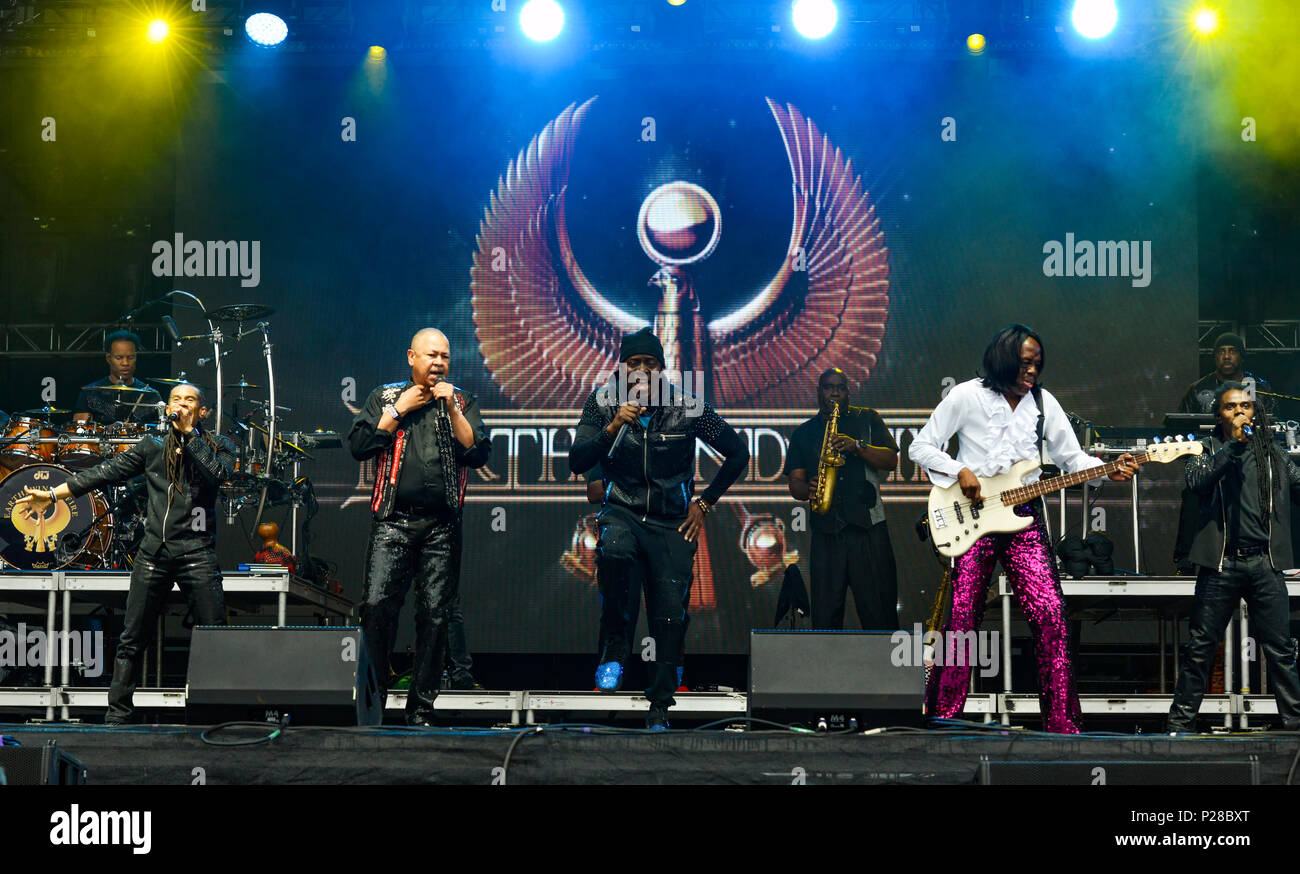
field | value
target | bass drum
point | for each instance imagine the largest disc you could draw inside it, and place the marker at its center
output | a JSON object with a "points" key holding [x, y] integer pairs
{"points": [[74, 532]]}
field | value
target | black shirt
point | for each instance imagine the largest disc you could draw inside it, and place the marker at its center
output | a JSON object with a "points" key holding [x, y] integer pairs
{"points": [[854, 494], [419, 487], [1247, 517], [420, 484], [108, 407], [1200, 394]]}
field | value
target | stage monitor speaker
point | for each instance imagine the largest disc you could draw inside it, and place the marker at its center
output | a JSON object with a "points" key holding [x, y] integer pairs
{"points": [[314, 675], [1170, 772], [46, 765], [798, 674]]}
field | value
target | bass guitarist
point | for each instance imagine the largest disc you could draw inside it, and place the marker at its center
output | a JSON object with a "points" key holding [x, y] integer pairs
{"points": [[999, 419]]}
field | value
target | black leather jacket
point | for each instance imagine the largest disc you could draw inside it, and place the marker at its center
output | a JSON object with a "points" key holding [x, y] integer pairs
{"points": [[180, 519], [653, 472], [1204, 475]]}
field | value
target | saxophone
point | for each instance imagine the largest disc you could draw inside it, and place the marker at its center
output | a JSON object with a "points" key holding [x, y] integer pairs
{"points": [[827, 463]]}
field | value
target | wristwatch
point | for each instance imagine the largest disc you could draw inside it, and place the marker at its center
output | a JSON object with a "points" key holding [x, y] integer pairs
{"points": [[857, 445], [391, 410]]}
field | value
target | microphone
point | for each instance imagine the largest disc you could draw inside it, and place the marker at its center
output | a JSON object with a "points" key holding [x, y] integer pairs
{"points": [[170, 324], [618, 438], [204, 362], [173, 417], [1248, 431], [442, 402]]}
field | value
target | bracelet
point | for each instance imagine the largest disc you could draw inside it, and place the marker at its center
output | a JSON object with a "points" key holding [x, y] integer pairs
{"points": [[703, 505], [391, 410], [53, 500]]}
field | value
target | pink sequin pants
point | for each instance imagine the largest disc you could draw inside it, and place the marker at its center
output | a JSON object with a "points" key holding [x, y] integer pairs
{"points": [[1026, 556]]}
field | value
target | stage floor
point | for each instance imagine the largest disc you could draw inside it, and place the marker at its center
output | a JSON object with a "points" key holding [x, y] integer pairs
{"points": [[601, 755]]}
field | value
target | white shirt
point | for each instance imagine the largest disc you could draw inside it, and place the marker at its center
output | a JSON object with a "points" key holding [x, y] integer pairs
{"points": [[992, 436]]}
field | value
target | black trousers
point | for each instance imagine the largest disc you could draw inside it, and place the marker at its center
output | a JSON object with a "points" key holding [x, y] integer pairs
{"points": [[199, 577], [462, 664], [1217, 595], [425, 550], [665, 561], [861, 559]]}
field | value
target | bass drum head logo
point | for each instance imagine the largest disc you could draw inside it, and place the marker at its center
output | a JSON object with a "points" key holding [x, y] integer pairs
{"points": [[52, 539]]}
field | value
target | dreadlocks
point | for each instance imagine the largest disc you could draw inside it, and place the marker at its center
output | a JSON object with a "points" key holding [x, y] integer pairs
{"points": [[173, 448]]}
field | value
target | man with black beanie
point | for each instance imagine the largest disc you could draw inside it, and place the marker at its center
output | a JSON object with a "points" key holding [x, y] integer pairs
{"points": [[1229, 364], [650, 518]]}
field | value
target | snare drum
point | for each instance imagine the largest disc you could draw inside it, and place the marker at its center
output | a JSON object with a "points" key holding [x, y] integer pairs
{"points": [[73, 531], [82, 449], [29, 430]]}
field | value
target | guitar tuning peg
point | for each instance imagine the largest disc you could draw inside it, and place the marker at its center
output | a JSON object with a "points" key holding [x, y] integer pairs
{"points": [[1191, 437], [1180, 438]]}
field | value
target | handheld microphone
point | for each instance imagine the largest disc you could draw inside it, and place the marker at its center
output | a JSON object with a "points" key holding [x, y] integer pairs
{"points": [[618, 438], [1248, 431], [170, 324], [442, 402], [173, 417]]}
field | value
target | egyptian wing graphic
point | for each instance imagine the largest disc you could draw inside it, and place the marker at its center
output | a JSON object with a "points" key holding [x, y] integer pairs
{"points": [[830, 313], [40, 532], [547, 336]]}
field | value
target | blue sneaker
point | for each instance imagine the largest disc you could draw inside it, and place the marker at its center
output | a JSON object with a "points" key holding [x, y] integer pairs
{"points": [[657, 718], [609, 676]]}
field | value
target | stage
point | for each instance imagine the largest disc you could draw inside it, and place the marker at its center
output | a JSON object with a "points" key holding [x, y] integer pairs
{"points": [[576, 755]]}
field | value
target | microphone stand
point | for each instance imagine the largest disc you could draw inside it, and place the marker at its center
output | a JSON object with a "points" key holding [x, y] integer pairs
{"points": [[214, 334]]}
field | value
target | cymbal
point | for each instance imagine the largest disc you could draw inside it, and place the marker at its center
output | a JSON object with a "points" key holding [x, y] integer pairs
{"points": [[243, 383], [112, 387], [240, 312], [44, 411], [164, 380]]}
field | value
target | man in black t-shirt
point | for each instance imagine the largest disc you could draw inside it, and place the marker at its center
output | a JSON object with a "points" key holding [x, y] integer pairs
{"points": [[850, 542], [121, 349]]}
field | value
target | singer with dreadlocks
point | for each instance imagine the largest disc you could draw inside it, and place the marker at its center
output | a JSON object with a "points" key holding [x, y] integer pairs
{"points": [[427, 434], [1244, 486], [183, 469]]}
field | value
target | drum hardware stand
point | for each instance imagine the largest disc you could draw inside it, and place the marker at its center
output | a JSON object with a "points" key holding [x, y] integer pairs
{"points": [[215, 335]]}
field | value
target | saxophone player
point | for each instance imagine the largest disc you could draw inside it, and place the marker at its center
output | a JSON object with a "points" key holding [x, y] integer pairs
{"points": [[850, 541]]}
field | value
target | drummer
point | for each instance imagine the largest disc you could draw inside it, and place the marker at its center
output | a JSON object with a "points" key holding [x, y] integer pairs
{"points": [[121, 348]]}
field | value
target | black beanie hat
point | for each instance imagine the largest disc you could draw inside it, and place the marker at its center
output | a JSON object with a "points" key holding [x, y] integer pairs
{"points": [[1230, 339], [643, 342]]}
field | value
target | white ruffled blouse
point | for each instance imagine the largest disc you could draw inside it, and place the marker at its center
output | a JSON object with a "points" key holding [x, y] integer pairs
{"points": [[991, 436]]}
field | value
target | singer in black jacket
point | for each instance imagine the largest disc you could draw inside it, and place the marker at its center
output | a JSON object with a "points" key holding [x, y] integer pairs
{"points": [[1244, 487], [183, 467], [426, 434], [650, 517]]}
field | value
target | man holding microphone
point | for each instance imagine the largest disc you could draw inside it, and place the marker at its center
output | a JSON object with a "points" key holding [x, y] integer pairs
{"points": [[183, 467]]}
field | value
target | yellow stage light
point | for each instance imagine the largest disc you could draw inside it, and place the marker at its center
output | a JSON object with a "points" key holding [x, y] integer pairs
{"points": [[377, 53], [1205, 21], [975, 42], [157, 31]]}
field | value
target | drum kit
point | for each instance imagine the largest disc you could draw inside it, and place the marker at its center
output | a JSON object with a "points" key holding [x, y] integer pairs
{"points": [[102, 529]]}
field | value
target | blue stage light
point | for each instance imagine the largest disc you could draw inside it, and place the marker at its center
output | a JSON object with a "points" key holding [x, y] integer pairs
{"points": [[1094, 18], [541, 20], [815, 18], [266, 29]]}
